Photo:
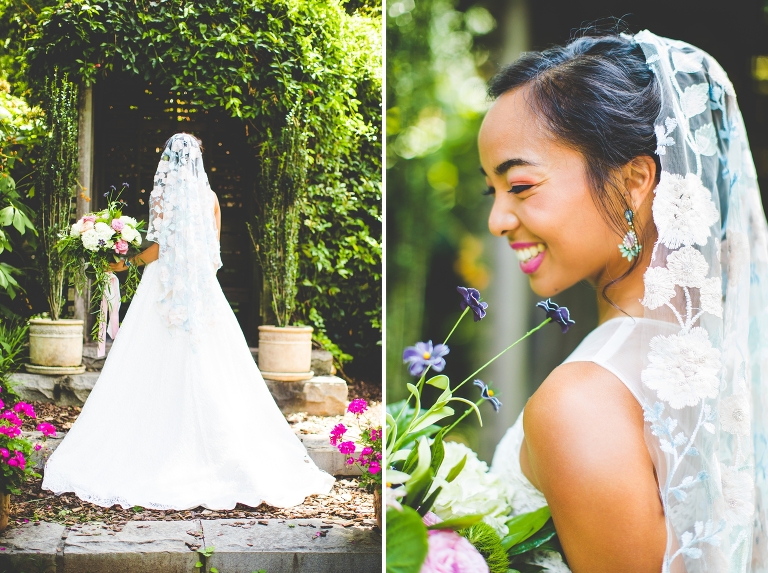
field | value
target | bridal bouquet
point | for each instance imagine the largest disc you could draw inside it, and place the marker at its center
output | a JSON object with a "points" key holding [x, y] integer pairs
{"points": [[445, 511], [94, 241]]}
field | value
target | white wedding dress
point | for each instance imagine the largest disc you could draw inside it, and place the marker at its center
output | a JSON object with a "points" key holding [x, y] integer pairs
{"points": [[182, 418], [614, 345]]}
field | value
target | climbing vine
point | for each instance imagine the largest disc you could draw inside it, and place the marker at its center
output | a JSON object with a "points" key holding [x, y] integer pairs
{"points": [[257, 59]]}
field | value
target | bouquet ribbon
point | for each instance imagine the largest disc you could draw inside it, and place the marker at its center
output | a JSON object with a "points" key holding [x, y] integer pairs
{"points": [[109, 321]]}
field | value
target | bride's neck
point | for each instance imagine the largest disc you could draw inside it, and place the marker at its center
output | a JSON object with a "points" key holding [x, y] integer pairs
{"points": [[623, 296]]}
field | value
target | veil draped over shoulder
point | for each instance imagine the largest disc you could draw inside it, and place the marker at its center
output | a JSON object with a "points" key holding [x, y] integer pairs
{"points": [[705, 346], [182, 222]]}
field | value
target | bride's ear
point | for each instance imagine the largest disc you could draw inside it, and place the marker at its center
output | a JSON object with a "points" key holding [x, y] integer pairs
{"points": [[639, 176]]}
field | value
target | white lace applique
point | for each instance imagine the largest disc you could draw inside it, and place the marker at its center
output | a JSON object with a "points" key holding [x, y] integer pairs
{"points": [[659, 287], [734, 415], [738, 492], [663, 137], [683, 210], [694, 99]]}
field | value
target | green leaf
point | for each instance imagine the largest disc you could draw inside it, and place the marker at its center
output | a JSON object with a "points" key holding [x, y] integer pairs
{"points": [[406, 541], [456, 470], [458, 522], [430, 418], [522, 526], [396, 477], [440, 381], [542, 536]]}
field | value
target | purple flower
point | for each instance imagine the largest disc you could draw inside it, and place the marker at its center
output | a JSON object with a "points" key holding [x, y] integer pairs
{"points": [[424, 355], [471, 298], [347, 447], [487, 394], [558, 314], [357, 406]]}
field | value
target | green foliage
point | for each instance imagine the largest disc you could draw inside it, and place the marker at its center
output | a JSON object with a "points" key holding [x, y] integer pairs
{"points": [[20, 128], [257, 59], [406, 541], [283, 190], [13, 340], [55, 178], [488, 543]]}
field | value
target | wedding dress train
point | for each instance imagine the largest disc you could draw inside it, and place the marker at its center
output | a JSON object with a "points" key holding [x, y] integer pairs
{"points": [[178, 420]]}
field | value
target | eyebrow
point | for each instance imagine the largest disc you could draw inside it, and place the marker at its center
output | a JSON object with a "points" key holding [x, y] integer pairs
{"points": [[505, 166]]}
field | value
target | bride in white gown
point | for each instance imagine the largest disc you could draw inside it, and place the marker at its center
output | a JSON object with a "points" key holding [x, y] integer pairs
{"points": [[180, 416], [624, 160]]}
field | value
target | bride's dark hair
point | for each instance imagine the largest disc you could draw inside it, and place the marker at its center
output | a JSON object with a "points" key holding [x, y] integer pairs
{"points": [[598, 96]]}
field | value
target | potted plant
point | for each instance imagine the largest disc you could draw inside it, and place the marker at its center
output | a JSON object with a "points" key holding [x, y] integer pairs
{"points": [[15, 449], [56, 344], [285, 352]]}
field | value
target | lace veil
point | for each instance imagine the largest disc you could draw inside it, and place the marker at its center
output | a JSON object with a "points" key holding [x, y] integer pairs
{"points": [[705, 340], [182, 222]]}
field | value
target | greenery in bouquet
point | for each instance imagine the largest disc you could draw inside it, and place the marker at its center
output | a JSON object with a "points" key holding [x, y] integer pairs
{"points": [[96, 240], [16, 450], [368, 458], [445, 510]]}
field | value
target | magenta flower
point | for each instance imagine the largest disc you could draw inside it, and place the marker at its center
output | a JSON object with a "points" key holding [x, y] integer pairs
{"points": [[47, 429], [357, 406], [22, 461], [367, 451], [471, 299], [377, 455], [27, 409], [449, 552], [10, 431], [374, 468], [337, 432], [121, 247], [38, 447], [4, 452], [350, 461], [375, 435], [423, 355], [13, 462], [11, 417], [2, 404], [117, 225], [347, 448]]}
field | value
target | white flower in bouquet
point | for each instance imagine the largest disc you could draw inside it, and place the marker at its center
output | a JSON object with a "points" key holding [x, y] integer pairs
{"points": [[128, 221], [103, 231], [473, 491], [76, 229], [90, 240], [130, 235]]}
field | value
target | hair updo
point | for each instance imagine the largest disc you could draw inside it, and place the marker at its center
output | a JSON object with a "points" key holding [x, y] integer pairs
{"points": [[598, 96]]}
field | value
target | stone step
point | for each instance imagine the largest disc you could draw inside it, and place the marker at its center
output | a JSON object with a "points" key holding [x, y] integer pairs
{"points": [[239, 546], [325, 456], [319, 396]]}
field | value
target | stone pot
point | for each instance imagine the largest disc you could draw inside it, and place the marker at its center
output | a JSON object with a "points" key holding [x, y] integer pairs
{"points": [[5, 510], [55, 346], [285, 353], [377, 507]]}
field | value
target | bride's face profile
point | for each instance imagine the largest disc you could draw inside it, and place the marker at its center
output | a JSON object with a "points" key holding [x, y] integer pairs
{"points": [[543, 202]]}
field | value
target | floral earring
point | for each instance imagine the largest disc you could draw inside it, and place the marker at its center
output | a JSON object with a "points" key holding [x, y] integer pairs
{"points": [[630, 246]]}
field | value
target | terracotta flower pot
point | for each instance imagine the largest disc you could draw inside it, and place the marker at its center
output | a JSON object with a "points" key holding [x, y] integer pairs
{"points": [[5, 510], [55, 346], [377, 506], [285, 352]]}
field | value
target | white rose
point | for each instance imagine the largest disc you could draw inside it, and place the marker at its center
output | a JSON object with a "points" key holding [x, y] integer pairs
{"points": [[126, 220], [130, 234], [90, 240], [76, 229]]}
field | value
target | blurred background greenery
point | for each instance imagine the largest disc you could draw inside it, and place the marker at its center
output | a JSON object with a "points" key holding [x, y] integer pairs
{"points": [[440, 53]]}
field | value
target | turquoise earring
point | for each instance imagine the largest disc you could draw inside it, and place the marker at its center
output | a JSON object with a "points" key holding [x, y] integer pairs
{"points": [[630, 246]]}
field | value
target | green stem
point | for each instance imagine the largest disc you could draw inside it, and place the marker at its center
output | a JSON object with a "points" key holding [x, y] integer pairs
{"points": [[464, 415], [526, 335]]}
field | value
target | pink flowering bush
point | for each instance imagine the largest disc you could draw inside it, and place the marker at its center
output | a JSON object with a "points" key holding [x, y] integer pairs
{"points": [[366, 453]]}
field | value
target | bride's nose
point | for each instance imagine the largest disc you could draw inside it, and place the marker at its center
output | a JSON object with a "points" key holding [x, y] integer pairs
{"points": [[502, 219]]}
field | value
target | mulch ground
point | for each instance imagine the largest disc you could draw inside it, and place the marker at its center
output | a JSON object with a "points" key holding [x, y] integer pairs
{"points": [[346, 504]]}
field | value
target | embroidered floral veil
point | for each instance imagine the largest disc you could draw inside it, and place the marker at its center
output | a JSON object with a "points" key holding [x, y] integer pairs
{"points": [[182, 222], [705, 375]]}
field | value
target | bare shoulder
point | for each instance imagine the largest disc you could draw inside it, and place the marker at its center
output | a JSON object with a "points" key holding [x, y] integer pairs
{"points": [[215, 200], [585, 450]]}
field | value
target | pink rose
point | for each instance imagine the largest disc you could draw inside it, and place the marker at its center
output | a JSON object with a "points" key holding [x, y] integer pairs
{"points": [[87, 226], [117, 225], [89, 219], [449, 552], [121, 247]]}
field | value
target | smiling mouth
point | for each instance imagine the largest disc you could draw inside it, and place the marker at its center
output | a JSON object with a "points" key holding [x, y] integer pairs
{"points": [[528, 252]]}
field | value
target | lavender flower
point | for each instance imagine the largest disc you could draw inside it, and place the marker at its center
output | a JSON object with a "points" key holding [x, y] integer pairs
{"points": [[471, 298], [488, 394], [423, 355], [558, 314]]}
